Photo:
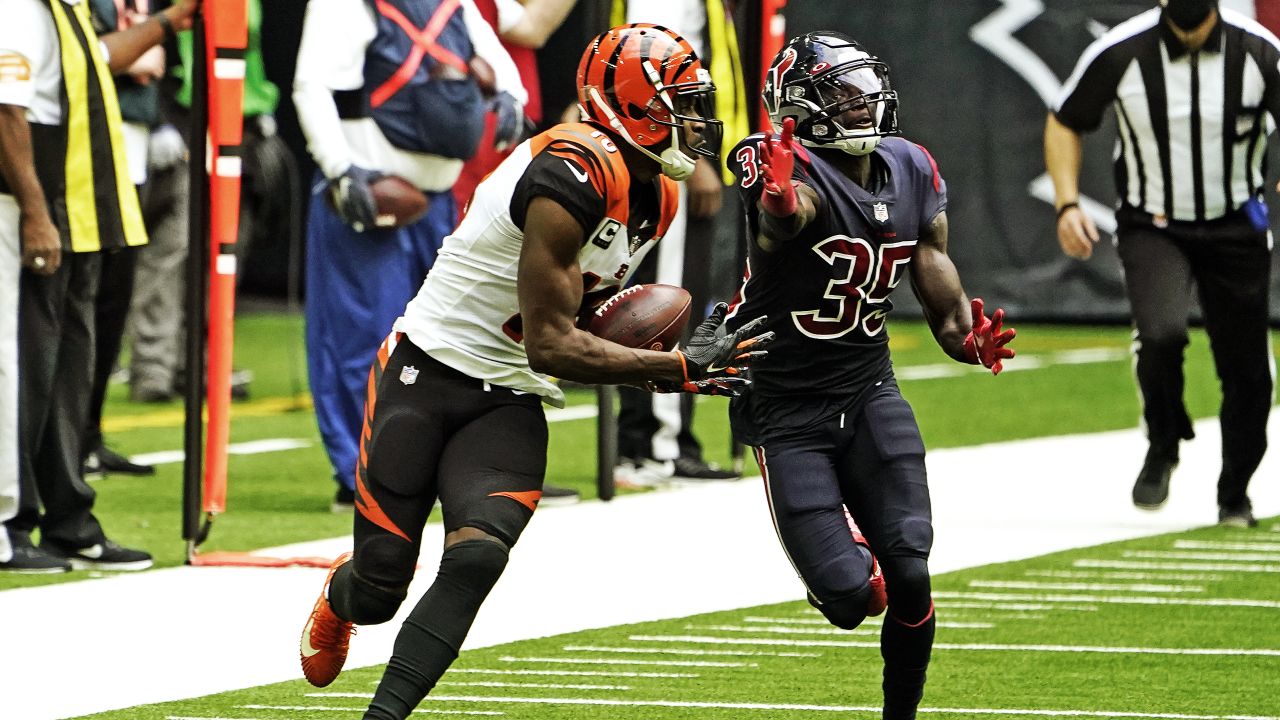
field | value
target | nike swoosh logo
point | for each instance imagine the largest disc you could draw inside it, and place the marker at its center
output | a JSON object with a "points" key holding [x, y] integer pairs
{"points": [[307, 650], [582, 177]]}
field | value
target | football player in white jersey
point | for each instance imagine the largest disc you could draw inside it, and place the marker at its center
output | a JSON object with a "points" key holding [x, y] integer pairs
{"points": [[454, 411]]}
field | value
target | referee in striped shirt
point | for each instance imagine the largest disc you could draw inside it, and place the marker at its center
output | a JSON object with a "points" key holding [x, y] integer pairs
{"points": [[1196, 90]]}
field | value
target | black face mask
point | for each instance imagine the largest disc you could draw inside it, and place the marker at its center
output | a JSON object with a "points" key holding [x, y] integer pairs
{"points": [[1188, 14]]}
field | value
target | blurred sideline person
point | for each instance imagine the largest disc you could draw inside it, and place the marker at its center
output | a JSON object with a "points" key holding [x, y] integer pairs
{"points": [[377, 96], [554, 230], [656, 441], [1196, 91], [836, 221], [523, 27], [269, 207], [66, 195], [138, 90]]}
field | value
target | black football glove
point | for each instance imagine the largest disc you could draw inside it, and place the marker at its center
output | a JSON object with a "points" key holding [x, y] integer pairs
{"points": [[715, 353], [509, 128], [352, 198]]}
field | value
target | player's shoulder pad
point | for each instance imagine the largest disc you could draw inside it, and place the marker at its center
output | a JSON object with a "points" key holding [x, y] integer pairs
{"points": [[588, 151], [917, 156]]}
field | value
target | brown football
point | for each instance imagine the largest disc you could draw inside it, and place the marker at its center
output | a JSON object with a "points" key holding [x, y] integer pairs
{"points": [[651, 317], [399, 202]]}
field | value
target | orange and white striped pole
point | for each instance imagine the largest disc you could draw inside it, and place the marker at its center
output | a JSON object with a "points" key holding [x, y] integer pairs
{"points": [[227, 34]]}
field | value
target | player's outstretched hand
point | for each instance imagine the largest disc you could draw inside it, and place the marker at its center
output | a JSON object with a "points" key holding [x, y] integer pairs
{"points": [[985, 343], [777, 161], [714, 352], [728, 386]]}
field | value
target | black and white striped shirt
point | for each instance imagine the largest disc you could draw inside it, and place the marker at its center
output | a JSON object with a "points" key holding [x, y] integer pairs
{"points": [[1192, 125]]}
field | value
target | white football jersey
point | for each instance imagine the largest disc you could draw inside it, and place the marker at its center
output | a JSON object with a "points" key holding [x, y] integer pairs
{"points": [[467, 314]]}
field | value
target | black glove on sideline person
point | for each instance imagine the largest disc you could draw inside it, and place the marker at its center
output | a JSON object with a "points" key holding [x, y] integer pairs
{"points": [[353, 199]]}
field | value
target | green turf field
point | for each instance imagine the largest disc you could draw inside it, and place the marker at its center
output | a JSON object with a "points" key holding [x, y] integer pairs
{"points": [[1064, 380], [1097, 632]]}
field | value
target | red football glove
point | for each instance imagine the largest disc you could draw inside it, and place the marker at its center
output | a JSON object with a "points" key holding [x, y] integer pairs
{"points": [[985, 343], [777, 160]]}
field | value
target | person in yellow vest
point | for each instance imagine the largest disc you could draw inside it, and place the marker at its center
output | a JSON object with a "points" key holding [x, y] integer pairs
{"points": [[64, 194], [655, 438]]}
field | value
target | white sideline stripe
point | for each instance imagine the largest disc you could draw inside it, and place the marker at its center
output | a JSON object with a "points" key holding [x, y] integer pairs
{"points": [[825, 626], [1123, 575], [831, 708], [1131, 587], [1011, 607], [1139, 565], [609, 661], [253, 447], [575, 673], [1114, 599], [865, 631], [322, 708], [545, 686], [1193, 555], [1231, 652], [684, 651], [1083, 356], [1217, 545], [206, 717]]}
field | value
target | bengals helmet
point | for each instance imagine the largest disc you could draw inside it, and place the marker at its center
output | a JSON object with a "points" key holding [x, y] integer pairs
{"points": [[838, 93], [646, 82]]}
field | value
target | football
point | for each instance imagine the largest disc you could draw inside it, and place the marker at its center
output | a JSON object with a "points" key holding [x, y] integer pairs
{"points": [[650, 317], [399, 202]]}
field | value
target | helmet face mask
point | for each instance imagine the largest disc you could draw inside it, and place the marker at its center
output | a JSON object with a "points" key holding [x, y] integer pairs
{"points": [[646, 83], [838, 93]]}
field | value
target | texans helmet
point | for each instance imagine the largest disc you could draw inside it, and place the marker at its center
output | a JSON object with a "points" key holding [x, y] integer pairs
{"points": [[646, 82], [838, 93]]}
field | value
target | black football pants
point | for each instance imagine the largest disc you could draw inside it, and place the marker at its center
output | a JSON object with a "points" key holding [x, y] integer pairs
{"points": [[1229, 265]]}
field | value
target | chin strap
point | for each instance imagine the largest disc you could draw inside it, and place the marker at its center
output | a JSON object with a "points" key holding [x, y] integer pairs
{"points": [[674, 163]]}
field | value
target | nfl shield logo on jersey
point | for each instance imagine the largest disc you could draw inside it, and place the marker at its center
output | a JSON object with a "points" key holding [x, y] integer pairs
{"points": [[881, 211], [408, 374]]}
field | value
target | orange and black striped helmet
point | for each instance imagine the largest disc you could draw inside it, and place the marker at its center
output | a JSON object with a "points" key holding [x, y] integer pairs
{"points": [[645, 81]]}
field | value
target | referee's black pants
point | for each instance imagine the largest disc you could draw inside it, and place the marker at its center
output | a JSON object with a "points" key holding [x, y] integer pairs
{"points": [[1229, 265], [56, 330]]}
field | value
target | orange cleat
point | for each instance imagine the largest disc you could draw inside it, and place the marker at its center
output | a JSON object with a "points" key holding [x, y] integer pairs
{"points": [[879, 599], [325, 637]]}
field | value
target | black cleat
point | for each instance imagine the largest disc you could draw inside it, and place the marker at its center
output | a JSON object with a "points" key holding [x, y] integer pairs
{"points": [[553, 495], [1152, 488], [30, 560], [344, 501], [106, 555], [689, 468], [1239, 518], [102, 460]]}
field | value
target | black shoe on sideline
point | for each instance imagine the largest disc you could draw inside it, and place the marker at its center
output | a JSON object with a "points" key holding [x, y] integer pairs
{"points": [[552, 495], [102, 460], [106, 555], [343, 501], [1152, 488], [1238, 518], [688, 468], [31, 560]]}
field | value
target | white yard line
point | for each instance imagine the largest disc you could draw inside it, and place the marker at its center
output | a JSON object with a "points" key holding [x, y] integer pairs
{"points": [[238, 627], [1210, 567], [1095, 587], [684, 651], [576, 673], [993, 647], [1112, 599]]}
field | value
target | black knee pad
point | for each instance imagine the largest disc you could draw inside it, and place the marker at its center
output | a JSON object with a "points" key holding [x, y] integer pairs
{"points": [[846, 612], [474, 565], [363, 602], [906, 579]]}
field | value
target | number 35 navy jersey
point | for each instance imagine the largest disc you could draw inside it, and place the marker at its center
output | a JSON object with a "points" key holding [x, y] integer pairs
{"points": [[826, 291]]}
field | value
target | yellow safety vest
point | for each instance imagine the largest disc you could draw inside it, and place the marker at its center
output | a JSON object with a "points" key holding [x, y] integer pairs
{"points": [[726, 72], [99, 202]]}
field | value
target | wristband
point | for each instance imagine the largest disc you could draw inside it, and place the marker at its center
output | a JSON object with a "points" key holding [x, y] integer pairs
{"points": [[781, 204], [167, 25], [1065, 208]]}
